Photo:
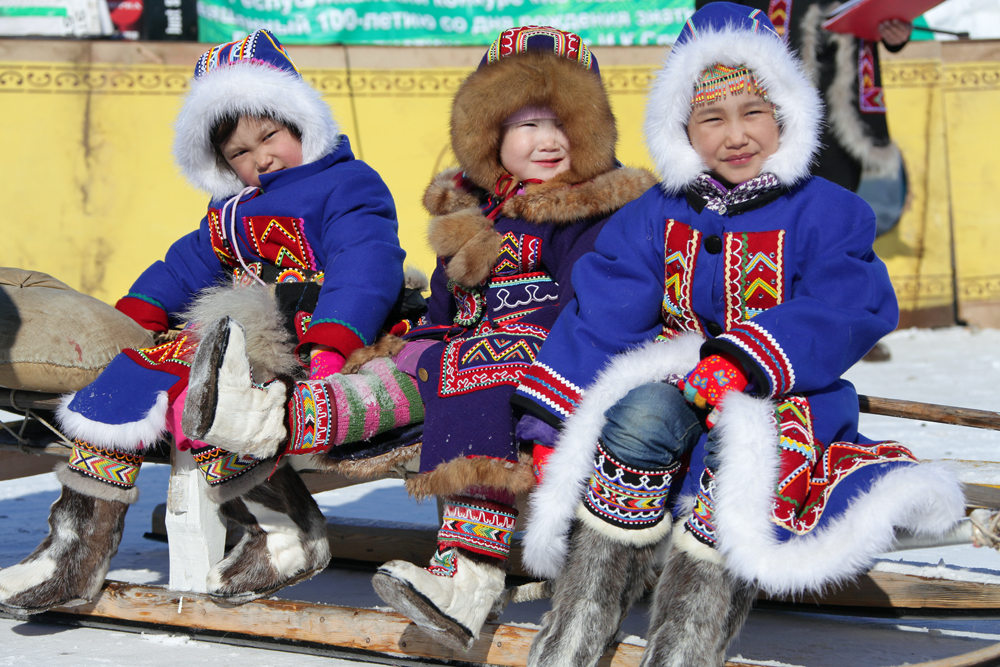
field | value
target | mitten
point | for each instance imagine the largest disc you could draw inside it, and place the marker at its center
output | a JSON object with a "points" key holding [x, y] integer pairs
{"points": [[324, 362], [713, 377]]}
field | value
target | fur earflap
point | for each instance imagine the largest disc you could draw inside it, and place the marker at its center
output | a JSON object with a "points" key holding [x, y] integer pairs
{"points": [[457, 476], [270, 347], [533, 78], [669, 107], [246, 88], [925, 499], [554, 503]]}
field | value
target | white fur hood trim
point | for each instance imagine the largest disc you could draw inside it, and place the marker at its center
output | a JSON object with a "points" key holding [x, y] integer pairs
{"points": [[247, 88], [554, 503], [669, 104], [926, 499]]}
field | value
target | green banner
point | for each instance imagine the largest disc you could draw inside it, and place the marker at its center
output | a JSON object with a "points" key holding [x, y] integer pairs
{"points": [[441, 22]]}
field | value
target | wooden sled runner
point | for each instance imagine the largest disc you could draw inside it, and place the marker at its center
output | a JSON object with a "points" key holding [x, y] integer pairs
{"points": [[197, 539]]}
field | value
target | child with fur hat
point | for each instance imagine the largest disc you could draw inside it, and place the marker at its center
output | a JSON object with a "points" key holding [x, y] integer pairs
{"points": [[698, 374], [534, 136], [290, 206]]}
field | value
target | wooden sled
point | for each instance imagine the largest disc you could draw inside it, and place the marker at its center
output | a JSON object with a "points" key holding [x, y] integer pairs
{"points": [[197, 538]]}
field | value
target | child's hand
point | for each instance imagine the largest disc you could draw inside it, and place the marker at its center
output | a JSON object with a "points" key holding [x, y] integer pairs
{"points": [[324, 361], [711, 379]]}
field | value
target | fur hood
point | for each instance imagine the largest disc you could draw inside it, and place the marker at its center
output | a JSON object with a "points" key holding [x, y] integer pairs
{"points": [[538, 79], [462, 232], [777, 70], [246, 87]]}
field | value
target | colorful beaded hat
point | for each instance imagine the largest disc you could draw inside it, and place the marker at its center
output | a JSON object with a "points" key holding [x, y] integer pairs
{"points": [[542, 38], [260, 46]]}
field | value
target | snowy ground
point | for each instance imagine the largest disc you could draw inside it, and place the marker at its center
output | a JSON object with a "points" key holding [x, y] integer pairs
{"points": [[950, 366]]}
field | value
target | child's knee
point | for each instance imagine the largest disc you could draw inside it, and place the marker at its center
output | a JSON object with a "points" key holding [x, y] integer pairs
{"points": [[651, 426]]}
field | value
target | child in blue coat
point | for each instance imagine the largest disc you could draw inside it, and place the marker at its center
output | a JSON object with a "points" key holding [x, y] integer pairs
{"points": [[702, 358], [293, 213]]}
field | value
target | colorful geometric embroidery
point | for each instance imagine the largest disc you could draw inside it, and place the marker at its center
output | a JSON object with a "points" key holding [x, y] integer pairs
{"points": [[516, 40], [780, 13], [680, 255], [486, 361], [628, 497], [514, 297], [809, 471], [280, 241], [220, 466], [309, 418], [519, 253], [701, 523], [755, 275], [471, 304], [174, 358], [552, 389], [221, 247], [718, 80], [871, 97], [479, 526], [113, 467], [443, 562], [761, 346]]}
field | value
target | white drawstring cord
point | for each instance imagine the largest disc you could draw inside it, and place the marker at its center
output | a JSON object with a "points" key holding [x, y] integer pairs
{"points": [[232, 228]]}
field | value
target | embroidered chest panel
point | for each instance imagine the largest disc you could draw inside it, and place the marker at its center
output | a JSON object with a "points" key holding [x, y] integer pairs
{"points": [[278, 240], [871, 97], [755, 276], [519, 253], [753, 272]]}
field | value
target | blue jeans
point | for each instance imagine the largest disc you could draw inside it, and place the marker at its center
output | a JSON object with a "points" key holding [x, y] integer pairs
{"points": [[653, 426]]}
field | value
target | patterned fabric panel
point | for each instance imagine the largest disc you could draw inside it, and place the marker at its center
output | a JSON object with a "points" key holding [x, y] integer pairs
{"points": [[220, 466], [309, 418], [479, 526], [116, 468], [222, 249], [681, 254], [871, 97], [780, 13], [512, 298], [810, 471], [628, 497], [755, 276], [519, 253], [470, 302], [443, 562], [765, 350], [280, 241], [701, 523], [479, 362], [545, 385]]}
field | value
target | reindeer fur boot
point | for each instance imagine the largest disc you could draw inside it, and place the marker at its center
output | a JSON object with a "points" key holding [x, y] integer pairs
{"points": [[69, 566], [284, 539], [698, 608], [602, 579]]}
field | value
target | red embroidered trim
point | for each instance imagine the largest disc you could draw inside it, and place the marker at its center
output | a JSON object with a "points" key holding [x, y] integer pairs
{"points": [[680, 256], [761, 346], [755, 274], [555, 391]]}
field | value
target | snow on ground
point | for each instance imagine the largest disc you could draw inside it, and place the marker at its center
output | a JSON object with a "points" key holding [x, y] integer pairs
{"points": [[950, 366]]}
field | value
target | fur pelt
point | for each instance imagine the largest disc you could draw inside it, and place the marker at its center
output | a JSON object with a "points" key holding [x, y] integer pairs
{"points": [[389, 464], [269, 345], [247, 88], [386, 346], [555, 502], [465, 235], [698, 608], [536, 79], [602, 579], [669, 107], [843, 115], [284, 540], [925, 499], [70, 564], [455, 477]]}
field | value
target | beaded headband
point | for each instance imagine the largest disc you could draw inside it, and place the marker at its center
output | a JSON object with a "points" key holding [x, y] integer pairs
{"points": [[719, 80]]}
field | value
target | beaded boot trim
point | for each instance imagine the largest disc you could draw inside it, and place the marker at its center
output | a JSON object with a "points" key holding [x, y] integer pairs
{"points": [[116, 468], [701, 523], [626, 496], [220, 466], [443, 562], [480, 526]]}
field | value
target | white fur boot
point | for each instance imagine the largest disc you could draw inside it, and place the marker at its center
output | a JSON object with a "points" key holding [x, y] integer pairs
{"points": [[224, 407]]}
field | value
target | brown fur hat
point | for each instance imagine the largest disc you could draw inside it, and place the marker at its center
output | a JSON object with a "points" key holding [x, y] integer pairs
{"points": [[533, 78]]}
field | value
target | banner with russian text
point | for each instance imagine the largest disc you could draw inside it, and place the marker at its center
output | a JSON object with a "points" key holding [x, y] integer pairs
{"points": [[441, 22]]}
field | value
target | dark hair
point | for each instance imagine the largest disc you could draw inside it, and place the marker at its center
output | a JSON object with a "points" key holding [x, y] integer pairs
{"points": [[224, 127]]}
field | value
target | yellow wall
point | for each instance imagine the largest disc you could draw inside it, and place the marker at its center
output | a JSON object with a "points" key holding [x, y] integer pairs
{"points": [[91, 194]]}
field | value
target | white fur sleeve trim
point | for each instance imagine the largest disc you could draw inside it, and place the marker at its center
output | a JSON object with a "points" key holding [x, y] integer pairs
{"points": [[926, 499], [554, 503], [127, 437]]}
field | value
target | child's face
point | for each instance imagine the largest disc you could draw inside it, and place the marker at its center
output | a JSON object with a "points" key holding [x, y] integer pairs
{"points": [[261, 146], [535, 148], [735, 135]]}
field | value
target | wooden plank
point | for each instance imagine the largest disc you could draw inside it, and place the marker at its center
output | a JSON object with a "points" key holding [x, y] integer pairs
{"points": [[891, 590], [362, 630], [14, 465], [19, 399], [943, 414]]}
